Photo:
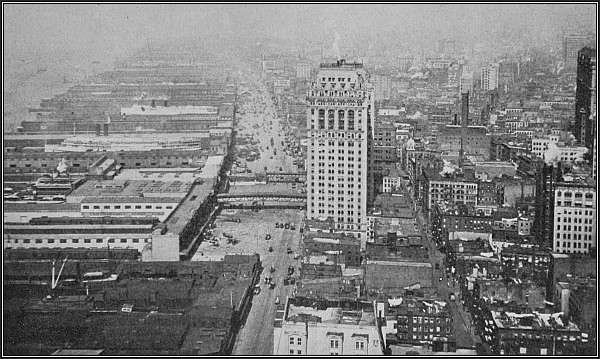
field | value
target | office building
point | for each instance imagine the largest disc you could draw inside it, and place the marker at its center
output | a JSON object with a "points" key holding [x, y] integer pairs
{"points": [[322, 327], [547, 176], [466, 80], [574, 218], [535, 334], [415, 321], [489, 77], [571, 46], [586, 72], [340, 111], [464, 108], [303, 70]]}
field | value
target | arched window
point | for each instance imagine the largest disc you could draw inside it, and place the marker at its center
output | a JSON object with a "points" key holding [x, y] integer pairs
{"points": [[341, 116], [331, 119], [321, 119]]}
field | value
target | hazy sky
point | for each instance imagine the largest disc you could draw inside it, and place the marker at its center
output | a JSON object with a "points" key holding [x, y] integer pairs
{"points": [[111, 29]]}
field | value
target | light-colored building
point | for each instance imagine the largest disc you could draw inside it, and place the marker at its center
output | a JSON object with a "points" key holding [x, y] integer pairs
{"points": [[489, 170], [452, 191], [489, 76], [326, 330], [142, 198], [339, 122], [303, 71], [391, 181], [574, 218], [383, 87], [142, 234], [550, 148], [572, 43], [524, 225]]}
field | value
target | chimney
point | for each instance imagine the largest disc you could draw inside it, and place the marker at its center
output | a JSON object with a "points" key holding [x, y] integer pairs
{"points": [[464, 109], [106, 129], [98, 129]]}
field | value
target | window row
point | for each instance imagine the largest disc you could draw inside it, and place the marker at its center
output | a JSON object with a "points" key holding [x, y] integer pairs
{"points": [[127, 206], [78, 240], [575, 245]]}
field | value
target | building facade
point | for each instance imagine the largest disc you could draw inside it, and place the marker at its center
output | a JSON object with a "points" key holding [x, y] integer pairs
{"points": [[489, 77], [325, 329], [586, 69], [574, 218], [571, 46], [341, 107]]}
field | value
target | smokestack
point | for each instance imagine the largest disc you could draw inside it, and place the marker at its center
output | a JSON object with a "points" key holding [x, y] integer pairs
{"points": [[98, 129], [106, 129], [464, 109]]}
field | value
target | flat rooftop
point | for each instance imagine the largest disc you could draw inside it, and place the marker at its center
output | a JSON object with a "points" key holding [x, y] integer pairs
{"points": [[400, 226], [139, 137], [180, 217], [133, 188], [169, 110], [333, 315], [393, 205], [211, 167], [530, 321], [183, 174], [341, 64], [268, 188]]}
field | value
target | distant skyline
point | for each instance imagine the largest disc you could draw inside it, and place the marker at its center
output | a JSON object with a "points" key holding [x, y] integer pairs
{"points": [[114, 29]]}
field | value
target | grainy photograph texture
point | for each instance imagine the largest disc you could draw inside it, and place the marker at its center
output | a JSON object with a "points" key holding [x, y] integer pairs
{"points": [[299, 179]]}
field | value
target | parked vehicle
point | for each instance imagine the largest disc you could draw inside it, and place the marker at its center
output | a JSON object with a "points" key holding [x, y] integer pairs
{"points": [[287, 226], [257, 289], [289, 250], [268, 237], [270, 249]]}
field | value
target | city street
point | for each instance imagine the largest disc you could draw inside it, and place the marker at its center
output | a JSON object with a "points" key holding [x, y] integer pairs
{"points": [[256, 336], [260, 122], [446, 286]]}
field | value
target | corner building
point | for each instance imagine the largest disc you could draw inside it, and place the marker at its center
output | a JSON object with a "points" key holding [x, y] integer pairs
{"points": [[339, 122]]}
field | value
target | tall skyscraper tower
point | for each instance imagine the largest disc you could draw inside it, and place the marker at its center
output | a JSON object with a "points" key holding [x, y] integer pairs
{"points": [[547, 176], [586, 69], [571, 46], [464, 109], [340, 112], [489, 76]]}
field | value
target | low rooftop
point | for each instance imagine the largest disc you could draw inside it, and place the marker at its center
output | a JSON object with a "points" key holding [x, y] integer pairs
{"points": [[323, 311], [179, 218], [393, 205], [169, 110], [533, 321], [132, 188]]}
